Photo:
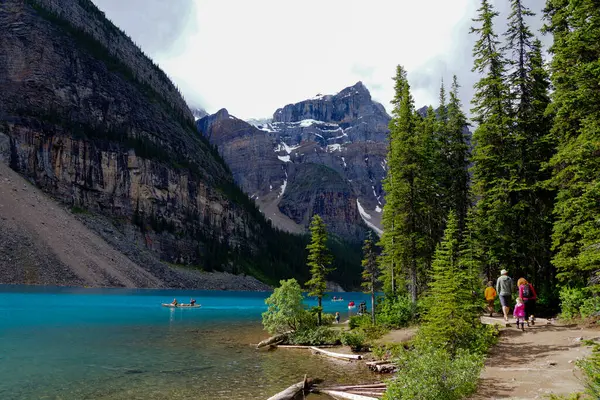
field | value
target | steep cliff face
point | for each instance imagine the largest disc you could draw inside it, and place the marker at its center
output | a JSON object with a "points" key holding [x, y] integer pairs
{"points": [[341, 138], [92, 121]]}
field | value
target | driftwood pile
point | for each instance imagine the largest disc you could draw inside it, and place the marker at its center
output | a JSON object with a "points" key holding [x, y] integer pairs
{"points": [[383, 366], [371, 391], [294, 391]]}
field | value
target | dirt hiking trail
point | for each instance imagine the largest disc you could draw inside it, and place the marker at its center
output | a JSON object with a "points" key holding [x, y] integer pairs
{"points": [[535, 363]]}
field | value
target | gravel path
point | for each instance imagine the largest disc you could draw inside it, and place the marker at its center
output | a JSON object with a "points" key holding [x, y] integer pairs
{"points": [[535, 363]]}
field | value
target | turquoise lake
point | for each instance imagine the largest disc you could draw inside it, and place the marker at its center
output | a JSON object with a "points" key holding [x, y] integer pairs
{"points": [[78, 343]]}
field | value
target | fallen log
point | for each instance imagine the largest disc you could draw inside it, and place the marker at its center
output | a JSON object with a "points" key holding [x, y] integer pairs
{"points": [[273, 339], [291, 392], [367, 386], [383, 368], [346, 396], [294, 346], [370, 363], [337, 355], [366, 393]]}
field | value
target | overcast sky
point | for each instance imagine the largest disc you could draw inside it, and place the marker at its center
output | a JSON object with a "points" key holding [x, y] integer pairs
{"points": [[254, 56]]}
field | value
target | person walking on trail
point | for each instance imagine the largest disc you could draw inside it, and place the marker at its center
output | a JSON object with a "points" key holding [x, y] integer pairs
{"points": [[504, 287], [490, 297], [529, 296], [519, 314]]}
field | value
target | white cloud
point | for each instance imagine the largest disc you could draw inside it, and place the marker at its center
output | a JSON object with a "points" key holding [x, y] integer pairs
{"points": [[253, 57]]}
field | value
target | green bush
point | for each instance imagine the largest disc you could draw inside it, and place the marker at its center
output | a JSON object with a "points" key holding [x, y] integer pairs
{"points": [[571, 300], [285, 310], [396, 312], [316, 336], [591, 369], [590, 307], [429, 373], [356, 340], [356, 321]]}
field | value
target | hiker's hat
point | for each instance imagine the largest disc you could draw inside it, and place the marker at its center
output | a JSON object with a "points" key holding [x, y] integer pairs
{"points": [[503, 272]]}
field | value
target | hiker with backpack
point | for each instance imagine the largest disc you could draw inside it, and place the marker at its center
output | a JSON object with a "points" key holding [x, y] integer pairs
{"points": [[505, 287], [529, 296]]}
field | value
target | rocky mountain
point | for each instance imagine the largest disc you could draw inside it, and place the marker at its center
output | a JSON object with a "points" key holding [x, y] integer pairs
{"points": [[324, 155], [88, 118]]}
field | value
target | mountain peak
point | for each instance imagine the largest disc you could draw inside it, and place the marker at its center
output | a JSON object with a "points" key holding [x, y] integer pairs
{"points": [[352, 102]]}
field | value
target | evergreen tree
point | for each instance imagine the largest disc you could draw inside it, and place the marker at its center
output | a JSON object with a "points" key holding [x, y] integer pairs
{"points": [[389, 239], [319, 261], [406, 237], [370, 271], [458, 157], [531, 203], [450, 313], [575, 69], [493, 153], [519, 43]]}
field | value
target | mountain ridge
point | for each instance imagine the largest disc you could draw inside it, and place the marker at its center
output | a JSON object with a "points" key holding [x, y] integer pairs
{"points": [[345, 132], [84, 118]]}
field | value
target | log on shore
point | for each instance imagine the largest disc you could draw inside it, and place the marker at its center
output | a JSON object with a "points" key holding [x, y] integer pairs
{"points": [[366, 393], [345, 396], [367, 386], [337, 355], [384, 368], [291, 392], [294, 346], [371, 363], [273, 340]]}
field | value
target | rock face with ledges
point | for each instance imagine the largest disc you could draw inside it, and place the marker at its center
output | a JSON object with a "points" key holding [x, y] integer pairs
{"points": [[90, 120], [345, 133]]}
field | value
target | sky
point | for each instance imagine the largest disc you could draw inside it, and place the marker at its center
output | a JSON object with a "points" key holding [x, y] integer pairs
{"points": [[255, 56]]}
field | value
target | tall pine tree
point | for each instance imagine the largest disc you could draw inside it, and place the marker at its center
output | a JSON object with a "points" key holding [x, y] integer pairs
{"points": [[370, 271], [531, 203], [319, 261], [389, 239], [458, 154], [493, 153], [575, 70], [406, 240]]}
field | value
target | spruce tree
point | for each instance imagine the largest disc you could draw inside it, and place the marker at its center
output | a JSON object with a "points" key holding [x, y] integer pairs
{"points": [[319, 261], [370, 271], [406, 238], [519, 44], [449, 315], [531, 203], [458, 158], [389, 239], [575, 71], [493, 153]]}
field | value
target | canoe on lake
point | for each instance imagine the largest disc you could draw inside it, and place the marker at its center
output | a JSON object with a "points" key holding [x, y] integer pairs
{"points": [[171, 305]]}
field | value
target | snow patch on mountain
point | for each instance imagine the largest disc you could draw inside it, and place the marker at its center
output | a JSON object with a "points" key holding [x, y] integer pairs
{"points": [[283, 188], [366, 217]]}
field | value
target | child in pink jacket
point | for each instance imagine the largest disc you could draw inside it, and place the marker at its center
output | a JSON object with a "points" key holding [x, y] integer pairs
{"points": [[519, 313]]}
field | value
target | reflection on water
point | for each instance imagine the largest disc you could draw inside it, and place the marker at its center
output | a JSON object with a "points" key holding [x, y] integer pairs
{"points": [[126, 347]]}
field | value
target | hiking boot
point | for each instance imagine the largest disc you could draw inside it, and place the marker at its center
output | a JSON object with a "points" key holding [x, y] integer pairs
{"points": [[523, 326], [532, 319]]}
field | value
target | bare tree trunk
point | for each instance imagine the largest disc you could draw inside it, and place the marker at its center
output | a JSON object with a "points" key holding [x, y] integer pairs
{"points": [[319, 314], [373, 301], [413, 278]]}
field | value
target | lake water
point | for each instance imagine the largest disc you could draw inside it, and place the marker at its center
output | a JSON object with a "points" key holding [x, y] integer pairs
{"points": [[77, 343]]}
